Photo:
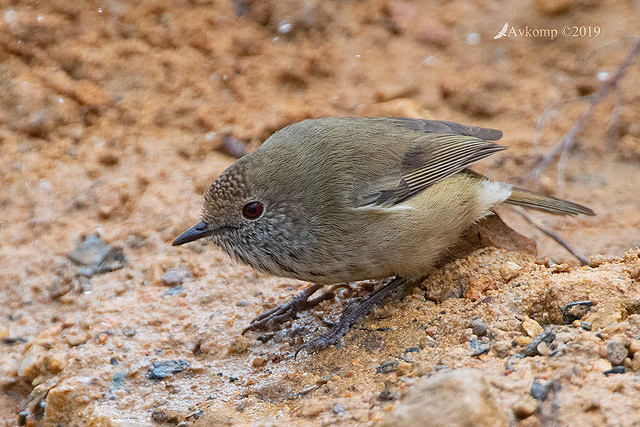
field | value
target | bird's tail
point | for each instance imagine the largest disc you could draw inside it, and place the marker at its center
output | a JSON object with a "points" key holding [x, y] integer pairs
{"points": [[549, 204]]}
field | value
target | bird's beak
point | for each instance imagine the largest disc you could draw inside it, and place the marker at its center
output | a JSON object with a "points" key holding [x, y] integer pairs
{"points": [[198, 231]]}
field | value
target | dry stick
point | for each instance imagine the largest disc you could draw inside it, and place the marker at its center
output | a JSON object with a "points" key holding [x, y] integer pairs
{"points": [[553, 235], [565, 143]]}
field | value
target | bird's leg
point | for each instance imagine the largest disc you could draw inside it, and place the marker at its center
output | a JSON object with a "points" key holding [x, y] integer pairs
{"points": [[351, 315], [301, 302]]}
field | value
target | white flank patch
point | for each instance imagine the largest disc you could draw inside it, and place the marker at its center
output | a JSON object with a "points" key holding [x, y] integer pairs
{"points": [[493, 192]]}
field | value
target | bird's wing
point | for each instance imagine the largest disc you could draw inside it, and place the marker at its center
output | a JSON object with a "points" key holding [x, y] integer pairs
{"points": [[437, 151], [442, 126]]}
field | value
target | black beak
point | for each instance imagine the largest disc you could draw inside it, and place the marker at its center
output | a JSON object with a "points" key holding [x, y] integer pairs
{"points": [[196, 232]]}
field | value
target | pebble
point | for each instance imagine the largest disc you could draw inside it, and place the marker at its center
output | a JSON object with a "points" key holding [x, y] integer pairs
{"points": [[162, 369], [238, 345], [531, 327], [98, 256], [616, 352], [118, 381], [634, 365], [525, 407], [601, 365], [460, 397], [175, 276], [478, 327], [387, 367], [532, 349], [479, 347], [403, 368], [387, 395], [540, 389], [509, 270], [258, 362], [338, 408], [575, 311]]}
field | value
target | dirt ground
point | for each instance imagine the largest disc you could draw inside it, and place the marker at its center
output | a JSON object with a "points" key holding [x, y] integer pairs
{"points": [[115, 116]]}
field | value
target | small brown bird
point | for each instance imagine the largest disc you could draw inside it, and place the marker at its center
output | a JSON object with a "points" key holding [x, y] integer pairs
{"points": [[338, 200]]}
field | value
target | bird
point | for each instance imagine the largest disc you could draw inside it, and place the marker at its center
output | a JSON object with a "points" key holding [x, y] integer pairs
{"points": [[342, 199]]}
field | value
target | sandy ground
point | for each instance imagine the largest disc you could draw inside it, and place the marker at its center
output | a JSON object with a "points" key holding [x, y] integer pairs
{"points": [[115, 117]]}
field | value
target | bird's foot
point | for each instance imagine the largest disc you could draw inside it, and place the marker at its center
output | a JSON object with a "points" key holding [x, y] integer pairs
{"points": [[351, 315], [269, 320]]}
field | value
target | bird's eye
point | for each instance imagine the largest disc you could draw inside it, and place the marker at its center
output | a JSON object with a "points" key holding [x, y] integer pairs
{"points": [[252, 210]]}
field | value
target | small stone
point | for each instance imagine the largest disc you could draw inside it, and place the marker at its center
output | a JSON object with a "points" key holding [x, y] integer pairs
{"points": [[460, 397], [509, 270], [403, 368], [118, 381], [560, 268], [478, 327], [338, 408], [258, 362], [238, 345], [479, 347], [175, 276], [160, 370], [615, 370], [543, 349], [540, 389], [532, 348], [502, 348], [531, 327], [387, 395], [575, 311], [176, 290], [601, 365], [101, 257], [387, 367], [598, 259], [525, 407], [616, 352], [56, 362]]}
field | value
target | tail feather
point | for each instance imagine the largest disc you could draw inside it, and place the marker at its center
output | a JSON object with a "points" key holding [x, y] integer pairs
{"points": [[549, 204]]}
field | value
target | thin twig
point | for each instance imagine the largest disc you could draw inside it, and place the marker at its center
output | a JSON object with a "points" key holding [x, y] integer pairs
{"points": [[565, 144], [584, 260]]}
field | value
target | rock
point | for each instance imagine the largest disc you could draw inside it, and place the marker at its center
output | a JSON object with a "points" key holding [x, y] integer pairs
{"points": [[98, 256], [479, 347], [531, 327], [478, 327], [387, 367], [403, 368], [616, 352], [175, 276], [160, 370], [509, 270], [532, 348], [454, 398], [525, 407], [238, 345], [575, 311]]}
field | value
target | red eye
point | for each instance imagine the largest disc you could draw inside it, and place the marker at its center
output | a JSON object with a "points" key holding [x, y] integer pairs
{"points": [[252, 210]]}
